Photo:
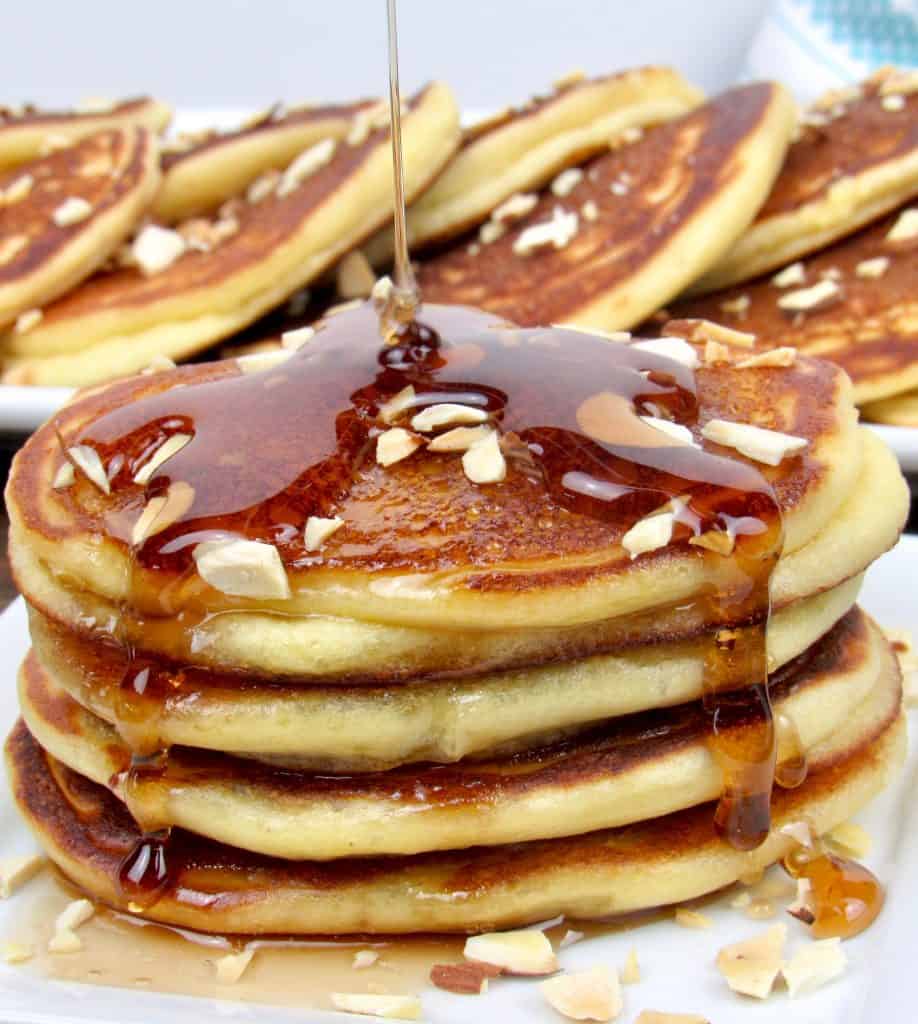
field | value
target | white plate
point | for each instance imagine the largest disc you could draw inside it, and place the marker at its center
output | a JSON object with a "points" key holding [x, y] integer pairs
{"points": [[881, 983]]}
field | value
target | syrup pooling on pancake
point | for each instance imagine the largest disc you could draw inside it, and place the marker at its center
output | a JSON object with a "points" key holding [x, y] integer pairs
{"points": [[568, 408]]}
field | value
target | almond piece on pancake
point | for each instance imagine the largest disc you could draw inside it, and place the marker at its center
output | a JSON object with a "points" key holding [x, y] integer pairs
{"points": [[866, 324], [81, 203], [116, 323], [694, 185], [854, 161], [524, 148], [202, 171], [27, 133]]}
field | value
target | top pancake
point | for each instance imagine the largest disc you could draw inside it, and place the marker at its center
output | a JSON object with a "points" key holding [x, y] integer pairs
{"points": [[856, 158], [202, 171], [641, 223], [27, 133], [421, 544], [867, 324]]}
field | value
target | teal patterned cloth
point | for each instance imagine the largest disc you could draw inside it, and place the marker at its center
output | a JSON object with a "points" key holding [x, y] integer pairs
{"points": [[817, 44]]}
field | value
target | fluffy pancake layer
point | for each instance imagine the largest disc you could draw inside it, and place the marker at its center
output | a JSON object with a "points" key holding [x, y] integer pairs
{"points": [[868, 324], [855, 160], [373, 727], [688, 189], [116, 323], [898, 411], [87, 832], [522, 149], [112, 174], [837, 695], [423, 546]]}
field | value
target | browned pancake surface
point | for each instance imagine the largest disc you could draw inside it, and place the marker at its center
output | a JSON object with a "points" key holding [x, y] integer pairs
{"points": [[870, 329], [668, 177]]}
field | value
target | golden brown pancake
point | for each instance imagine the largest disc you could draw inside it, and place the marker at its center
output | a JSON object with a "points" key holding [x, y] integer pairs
{"points": [[376, 723], [87, 832], [422, 544], [686, 190], [855, 160], [898, 411], [617, 772], [27, 132], [868, 325], [43, 253], [201, 171], [523, 148], [117, 322]]}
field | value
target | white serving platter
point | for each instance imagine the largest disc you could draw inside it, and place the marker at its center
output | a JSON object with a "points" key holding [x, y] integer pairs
{"points": [[881, 983]]}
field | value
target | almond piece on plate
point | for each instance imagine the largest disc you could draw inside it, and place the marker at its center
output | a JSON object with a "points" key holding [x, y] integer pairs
{"points": [[688, 918], [65, 938], [520, 952], [658, 1017], [13, 952], [850, 839], [814, 965], [587, 995], [631, 972], [463, 979], [16, 871], [372, 1005], [751, 967], [231, 967]]}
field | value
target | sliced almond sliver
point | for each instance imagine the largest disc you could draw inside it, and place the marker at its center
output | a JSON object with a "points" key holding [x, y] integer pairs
{"points": [[305, 165], [587, 995], [16, 871], [396, 444], [459, 439], [813, 966], [670, 348], [371, 1005], [163, 511], [231, 967], [516, 207], [518, 952], [792, 274], [872, 268], [463, 979], [782, 356], [649, 534], [699, 330], [631, 972], [364, 958], [170, 447], [906, 226], [319, 529], [688, 918], [767, 446], [808, 300], [88, 461], [71, 211], [390, 411], [556, 232], [446, 414], [242, 568], [64, 477], [484, 462], [751, 967], [676, 431]]}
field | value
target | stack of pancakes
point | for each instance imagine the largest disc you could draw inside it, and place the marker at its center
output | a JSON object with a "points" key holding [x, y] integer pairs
{"points": [[280, 685]]}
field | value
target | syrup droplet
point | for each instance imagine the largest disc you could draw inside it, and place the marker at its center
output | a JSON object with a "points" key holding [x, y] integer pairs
{"points": [[845, 896], [791, 769], [144, 873]]}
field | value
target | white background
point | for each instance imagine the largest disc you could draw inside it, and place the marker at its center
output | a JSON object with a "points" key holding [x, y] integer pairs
{"points": [[244, 53]]}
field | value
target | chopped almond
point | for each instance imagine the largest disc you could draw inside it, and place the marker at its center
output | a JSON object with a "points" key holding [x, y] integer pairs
{"points": [[390, 411], [649, 534], [162, 511], [87, 460], [157, 248], [737, 306], [231, 967], [719, 541], [319, 529], [305, 165], [790, 275], [73, 916], [169, 448], [519, 952], [396, 444], [706, 330], [906, 227], [751, 967], [716, 354], [459, 439], [872, 268], [631, 972], [850, 839], [688, 918], [783, 356], [27, 320], [814, 965], [484, 462], [364, 958], [16, 952], [242, 568], [490, 231], [587, 995], [64, 477], [768, 446], [463, 979], [372, 1005], [16, 871], [556, 232], [567, 181], [71, 211], [821, 295], [446, 414], [515, 208]]}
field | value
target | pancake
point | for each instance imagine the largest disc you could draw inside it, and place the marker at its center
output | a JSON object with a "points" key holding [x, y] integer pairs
{"points": [[856, 159], [202, 171], [27, 133], [424, 545], [686, 190], [868, 325], [116, 323], [898, 411], [87, 833], [521, 149], [837, 695], [374, 727], [43, 251]]}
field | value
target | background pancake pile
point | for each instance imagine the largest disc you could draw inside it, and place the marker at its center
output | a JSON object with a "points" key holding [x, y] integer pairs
{"points": [[392, 636], [598, 203]]}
